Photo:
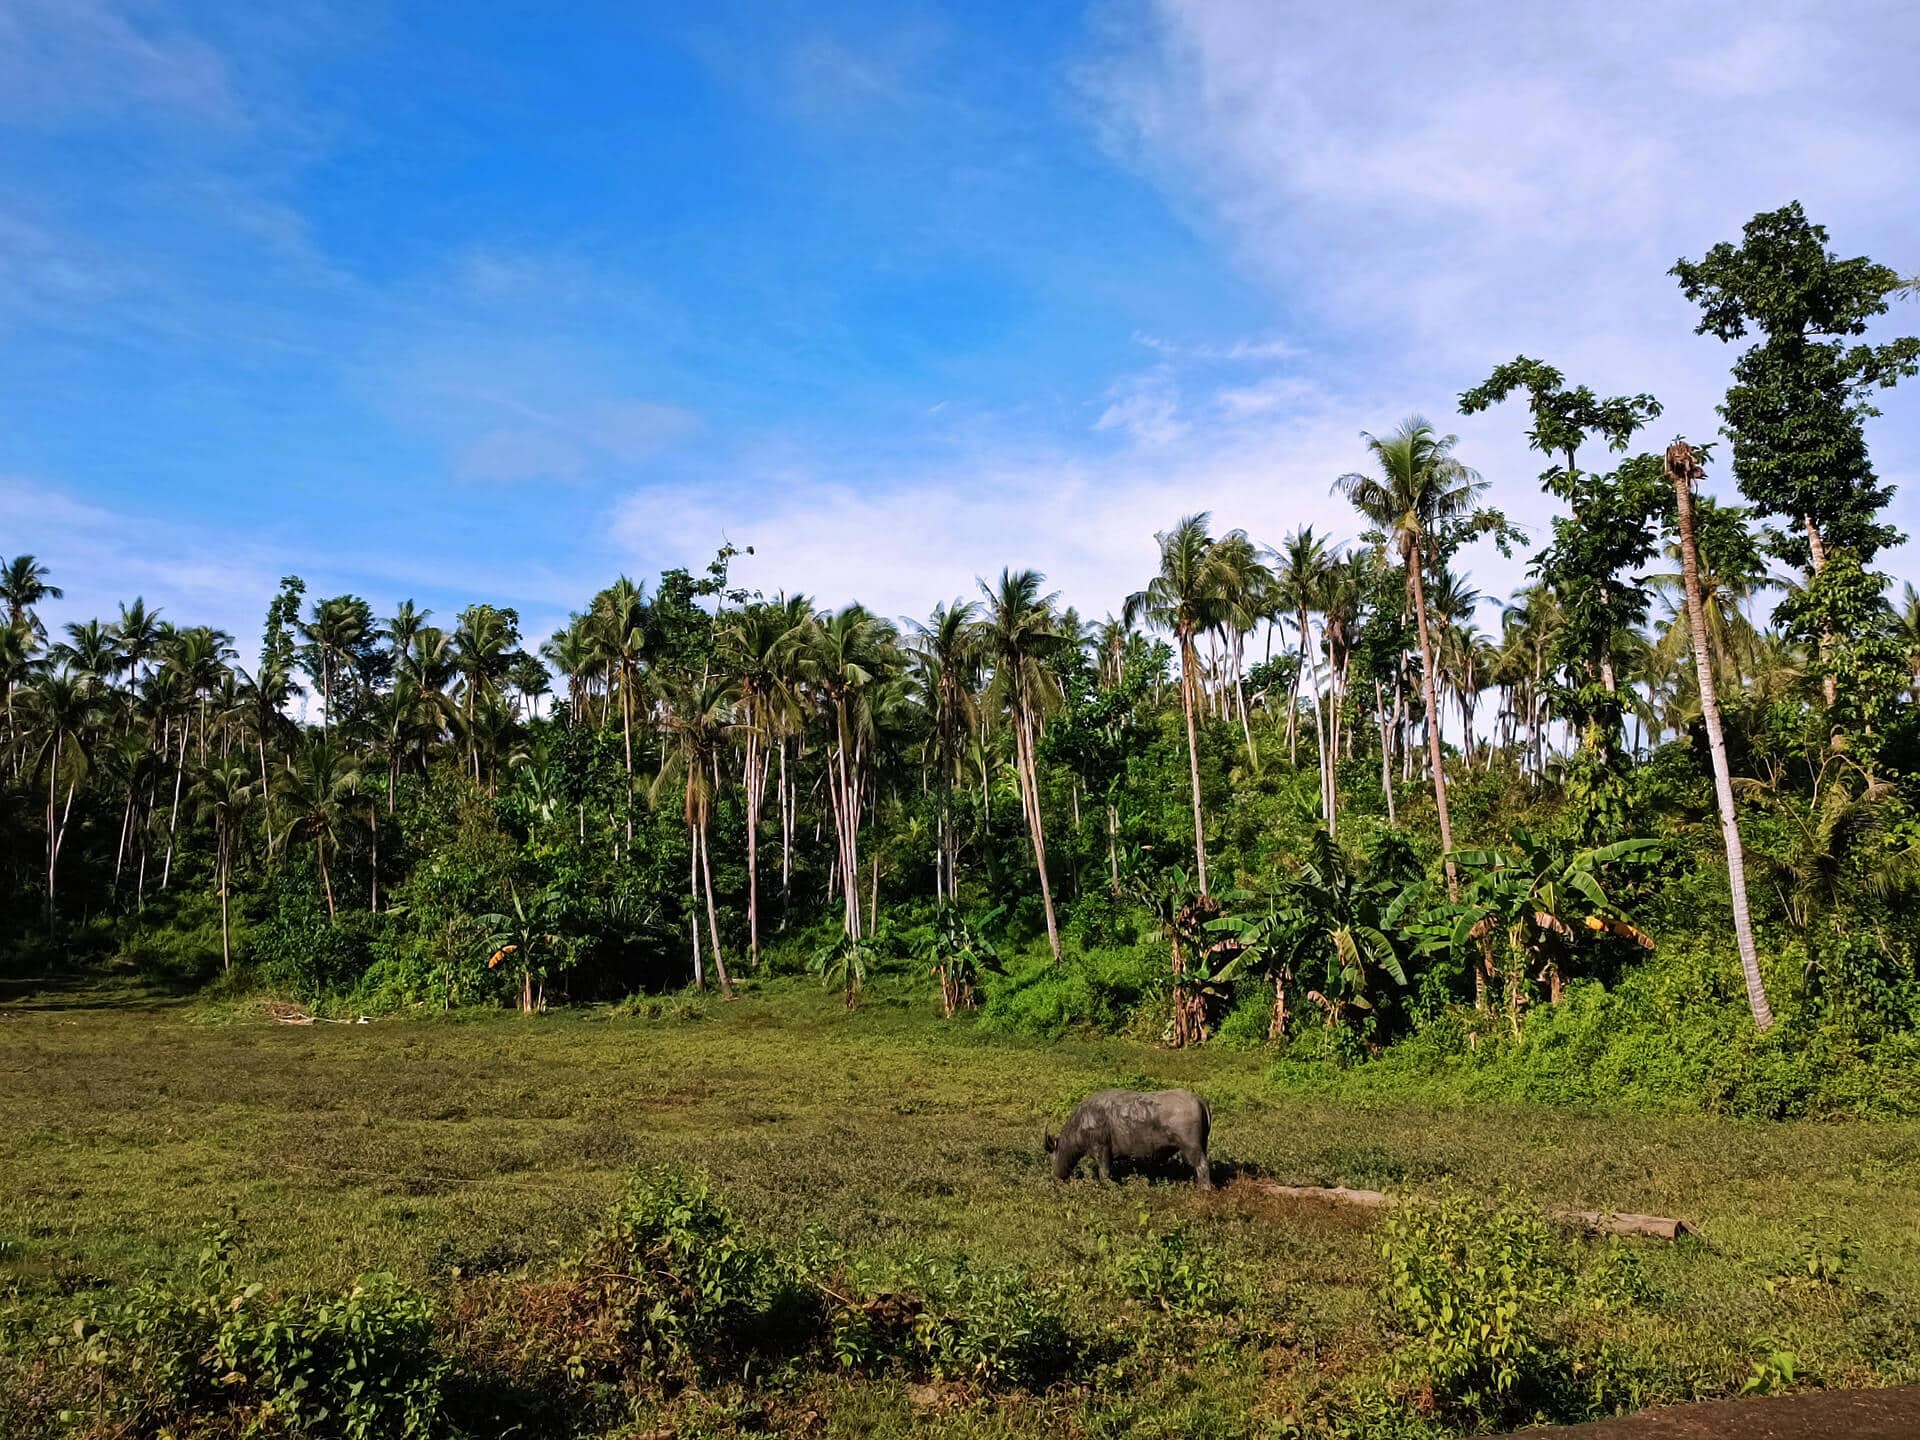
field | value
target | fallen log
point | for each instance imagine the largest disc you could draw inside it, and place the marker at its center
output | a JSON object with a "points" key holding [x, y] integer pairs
{"points": [[1594, 1222]]}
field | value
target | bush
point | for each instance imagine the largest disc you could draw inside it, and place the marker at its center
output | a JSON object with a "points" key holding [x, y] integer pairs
{"points": [[1171, 1272], [1097, 990], [992, 1327], [669, 1288], [355, 1366], [298, 950], [1473, 1294]]}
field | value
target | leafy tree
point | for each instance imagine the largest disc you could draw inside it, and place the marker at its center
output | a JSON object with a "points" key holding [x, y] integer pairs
{"points": [[1799, 399]]}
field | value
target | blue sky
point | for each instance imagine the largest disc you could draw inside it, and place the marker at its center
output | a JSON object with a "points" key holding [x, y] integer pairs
{"points": [[494, 302]]}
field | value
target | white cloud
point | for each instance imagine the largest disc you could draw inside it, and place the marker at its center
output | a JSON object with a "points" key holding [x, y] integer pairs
{"points": [[932, 530], [1450, 187], [67, 60]]}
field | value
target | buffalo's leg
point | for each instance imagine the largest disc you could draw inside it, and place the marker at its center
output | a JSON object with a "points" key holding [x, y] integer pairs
{"points": [[1202, 1172], [1103, 1162]]}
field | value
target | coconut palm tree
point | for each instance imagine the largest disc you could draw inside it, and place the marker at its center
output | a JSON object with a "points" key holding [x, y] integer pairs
{"points": [[319, 779], [946, 661], [482, 654], [1020, 638], [751, 645], [1246, 589], [1684, 471], [1421, 492], [224, 796], [61, 707], [1184, 600], [1302, 570], [23, 585], [1732, 573], [695, 718], [336, 631], [620, 620]]}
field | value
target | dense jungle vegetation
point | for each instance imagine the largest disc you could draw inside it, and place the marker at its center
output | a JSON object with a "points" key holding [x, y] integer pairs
{"points": [[1653, 842]]}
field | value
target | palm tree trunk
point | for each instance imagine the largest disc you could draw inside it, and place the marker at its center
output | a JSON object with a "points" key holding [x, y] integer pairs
{"points": [[173, 816], [754, 797], [786, 838], [1193, 761], [1386, 751], [1415, 565], [1683, 469], [326, 881], [53, 822], [1030, 786], [693, 895], [1310, 659], [713, 919], [226, 926]]}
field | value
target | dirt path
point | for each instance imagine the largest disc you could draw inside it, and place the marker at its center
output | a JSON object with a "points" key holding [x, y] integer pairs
{"points": [[1824, 1415]]}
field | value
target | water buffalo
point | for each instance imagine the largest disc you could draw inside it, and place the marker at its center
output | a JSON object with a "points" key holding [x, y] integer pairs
{"points": [[1132, 1125]]}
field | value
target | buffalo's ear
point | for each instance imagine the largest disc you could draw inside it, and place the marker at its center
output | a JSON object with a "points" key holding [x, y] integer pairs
{"points": [[1051, 1143]]}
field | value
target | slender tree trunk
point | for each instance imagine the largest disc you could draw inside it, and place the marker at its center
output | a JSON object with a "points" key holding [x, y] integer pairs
{"points": [[693, 895], [1310, 661], [1829, 686], [1415, 565], [173, 816], [1193, 762], [53, 824], [754, 797], [786, 839], [1386, 751], [1030, 786], [1684, 469], [326, 880], [713, 919], [224, 846]]}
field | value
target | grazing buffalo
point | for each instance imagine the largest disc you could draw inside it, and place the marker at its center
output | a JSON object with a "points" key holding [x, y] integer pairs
{"points": [[1133, 1125]]}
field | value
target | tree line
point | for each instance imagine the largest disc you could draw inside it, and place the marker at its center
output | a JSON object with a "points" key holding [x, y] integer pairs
{"points": [[686, 770]]}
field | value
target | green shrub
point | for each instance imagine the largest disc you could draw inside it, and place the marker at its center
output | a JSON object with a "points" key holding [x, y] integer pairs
{"points": [[362, 1365], [1097, 990], [993, 1327], [671, 1288], [1472, 1292], [1170, 1271]]}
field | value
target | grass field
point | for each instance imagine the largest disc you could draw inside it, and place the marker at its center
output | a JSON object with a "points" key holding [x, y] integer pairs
{"points": [[441, 1149]]}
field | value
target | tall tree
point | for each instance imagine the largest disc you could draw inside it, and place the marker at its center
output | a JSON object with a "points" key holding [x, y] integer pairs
{"points": [[1422, 501], [223, 796], [695, 717], [946, 669], [1684, 470], [23, 585], [1020, 636], [1797, 406], [1185, 599]]}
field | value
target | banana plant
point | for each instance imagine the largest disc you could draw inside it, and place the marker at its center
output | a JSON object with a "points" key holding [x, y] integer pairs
{"points": [[960, 954], [1541, 899], [1327, 926]]}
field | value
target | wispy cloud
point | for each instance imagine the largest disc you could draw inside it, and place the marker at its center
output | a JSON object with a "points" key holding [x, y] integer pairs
{"points": [[1272, 349], [68, 61]]}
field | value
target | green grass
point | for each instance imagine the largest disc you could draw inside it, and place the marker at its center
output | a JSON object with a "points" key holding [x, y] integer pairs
{"points": [[492, 1143]]}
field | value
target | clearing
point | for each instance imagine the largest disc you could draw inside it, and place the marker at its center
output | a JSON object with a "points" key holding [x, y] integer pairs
{"points": [[481, 1143]]}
